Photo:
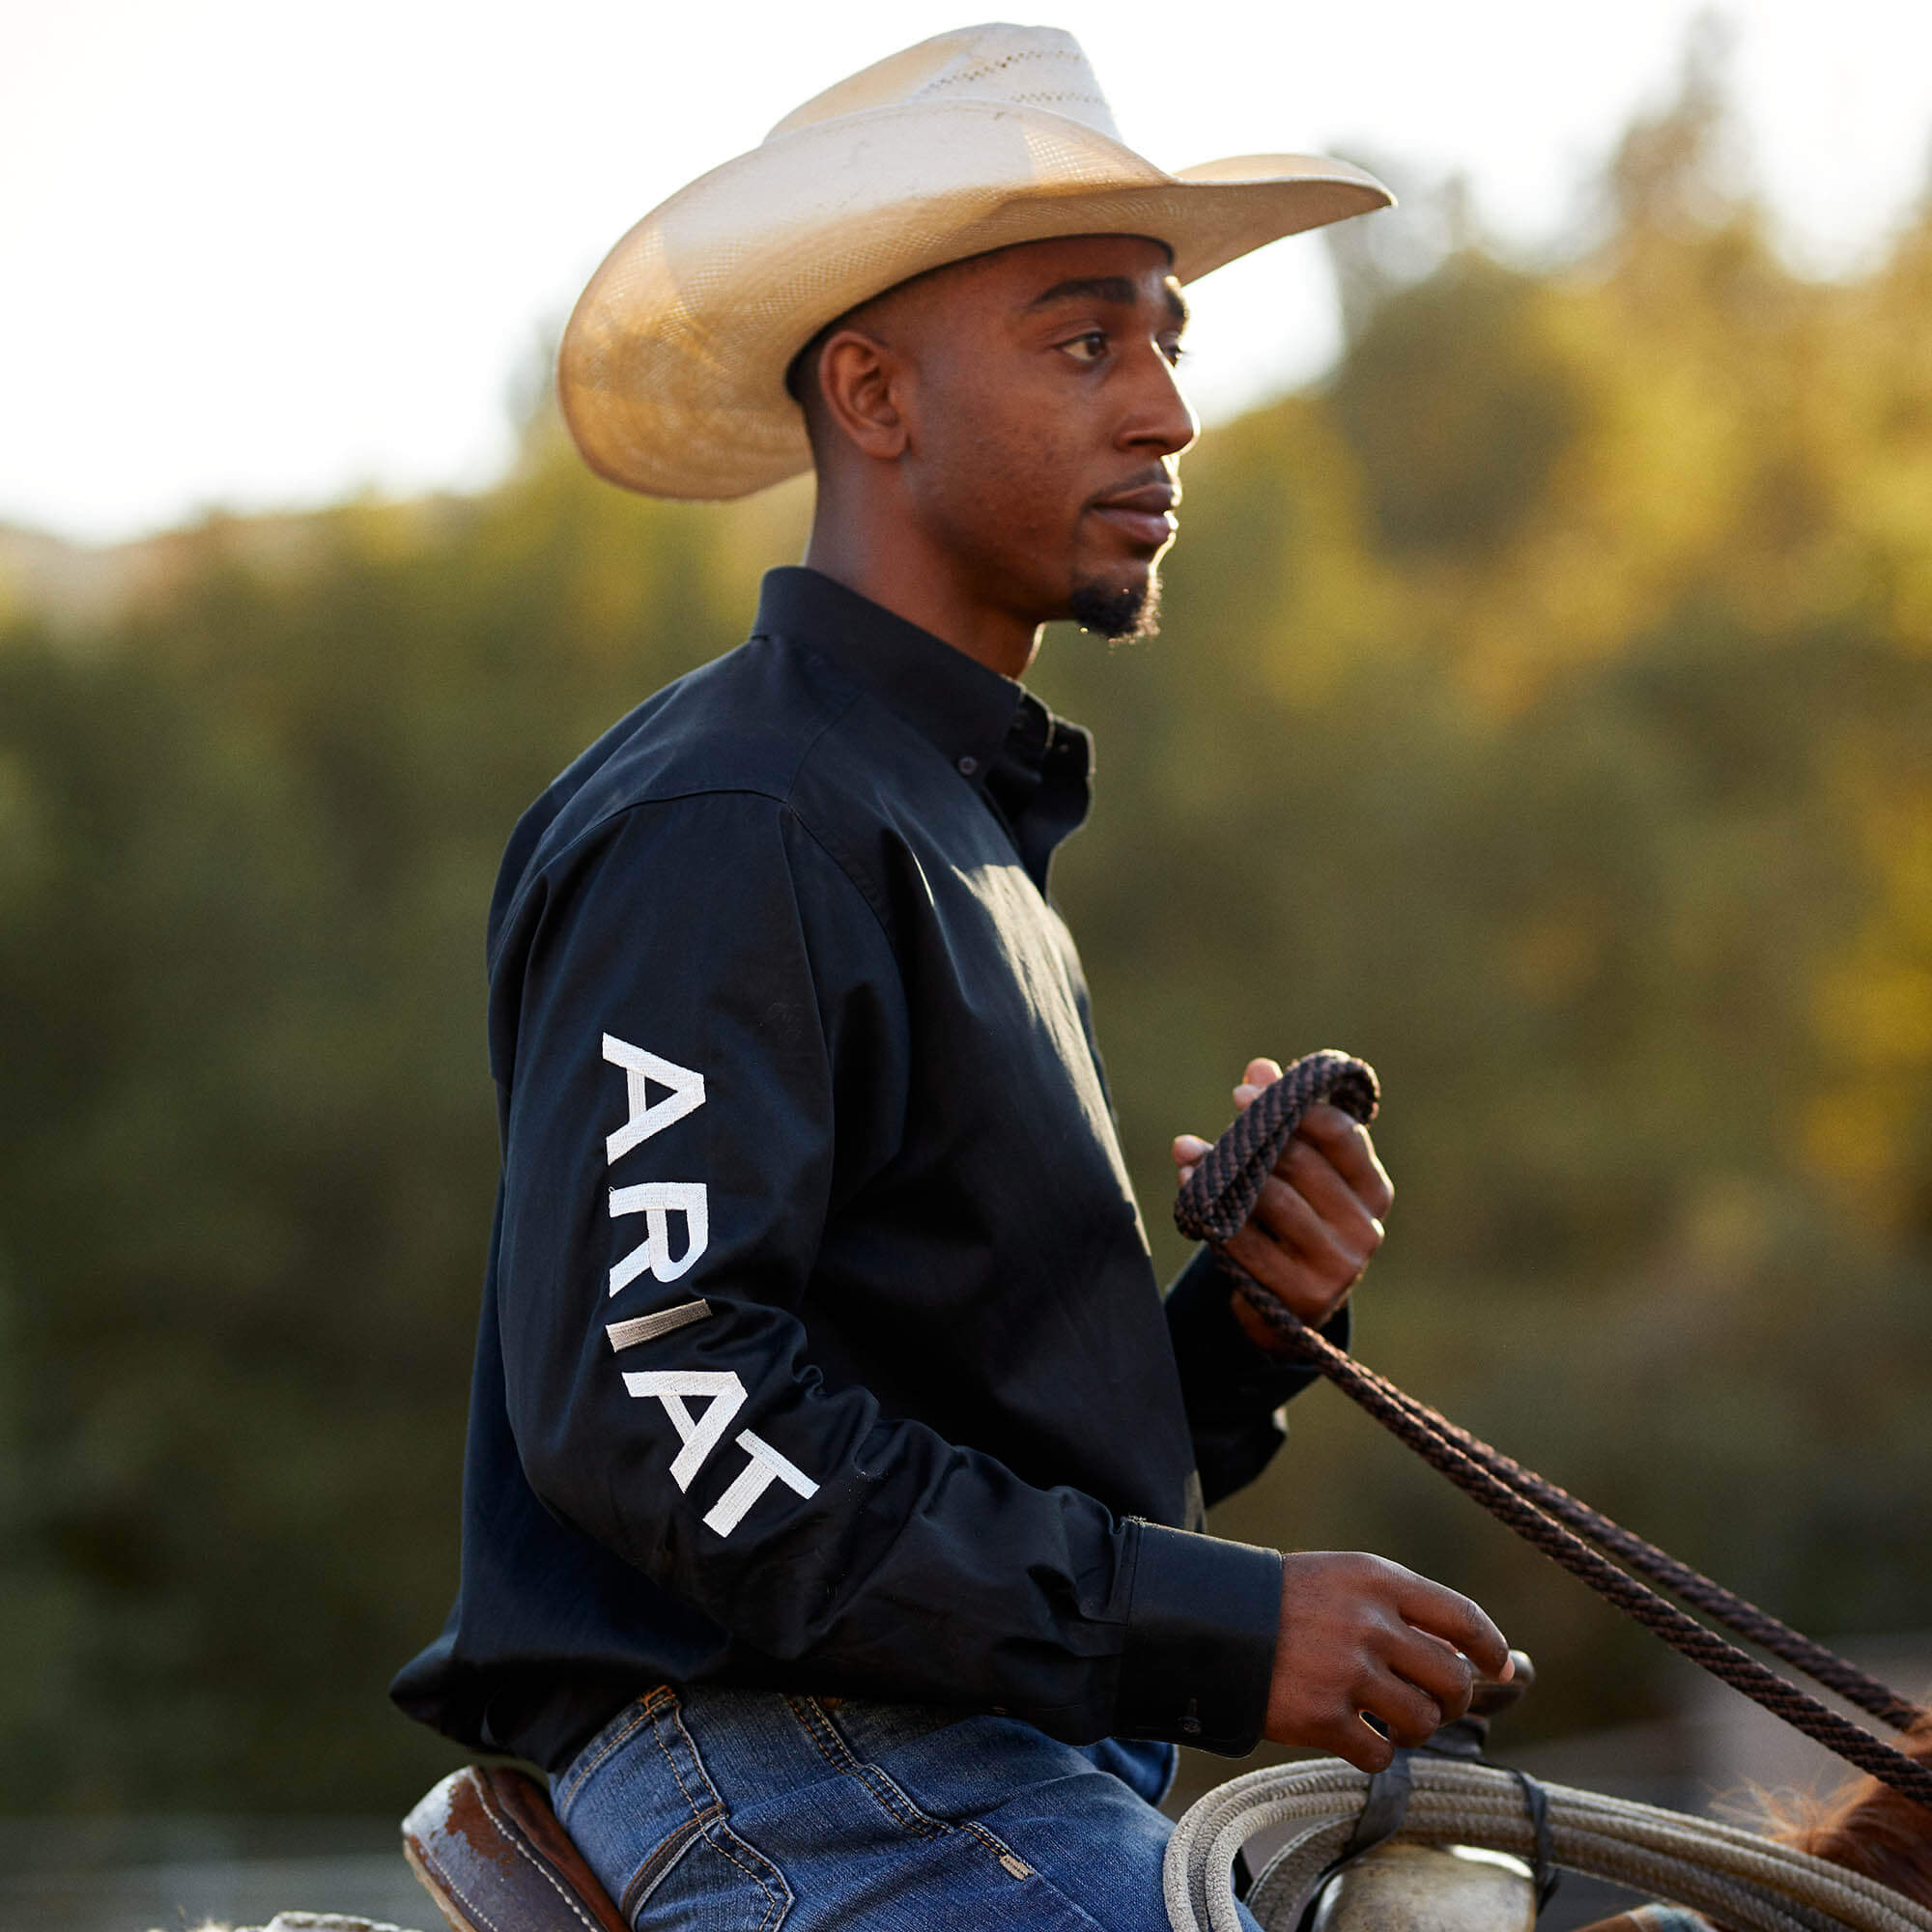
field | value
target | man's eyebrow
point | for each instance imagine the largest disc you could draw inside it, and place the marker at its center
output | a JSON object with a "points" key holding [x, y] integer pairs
{"points": [[1121, 291]]}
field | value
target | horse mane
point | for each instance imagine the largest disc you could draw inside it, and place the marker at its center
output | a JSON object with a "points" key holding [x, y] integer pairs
{"points": [[1868, 1826]]}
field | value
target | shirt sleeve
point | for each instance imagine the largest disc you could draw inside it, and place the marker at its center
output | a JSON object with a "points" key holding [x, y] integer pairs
{"points": [[700, 992], [1233, 1389]]}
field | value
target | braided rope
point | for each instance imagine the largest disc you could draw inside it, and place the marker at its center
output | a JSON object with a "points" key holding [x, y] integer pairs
{"points": [[1213, 1205], [1725, 1606]]}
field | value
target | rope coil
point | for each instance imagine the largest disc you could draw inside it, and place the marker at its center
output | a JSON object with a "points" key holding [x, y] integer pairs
{"points": [[1736, 1877], [1213, 1205]]}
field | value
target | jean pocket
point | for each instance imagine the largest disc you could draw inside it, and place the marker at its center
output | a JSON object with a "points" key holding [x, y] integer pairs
{"points": [[838, 1736], [701, 1876], [705, 1878]]}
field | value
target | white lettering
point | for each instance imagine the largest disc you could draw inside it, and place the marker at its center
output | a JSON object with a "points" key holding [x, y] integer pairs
{"points": [[648, 1117], [724, 1396], [766, 1467], [656, 1200]]}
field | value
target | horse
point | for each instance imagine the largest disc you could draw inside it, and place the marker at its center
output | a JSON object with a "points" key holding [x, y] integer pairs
{"points": [[1863, 1826]]}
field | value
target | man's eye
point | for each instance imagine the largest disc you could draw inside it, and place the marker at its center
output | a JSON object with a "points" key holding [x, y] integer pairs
{"points": [[1176, 350], [1087, 348]]}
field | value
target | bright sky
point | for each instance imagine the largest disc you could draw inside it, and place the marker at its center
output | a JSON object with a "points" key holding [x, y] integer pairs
{"points": [[263, 252]]}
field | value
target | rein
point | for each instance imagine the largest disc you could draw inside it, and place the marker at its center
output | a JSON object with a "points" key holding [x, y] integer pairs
{"points": [[1213, 1205]]}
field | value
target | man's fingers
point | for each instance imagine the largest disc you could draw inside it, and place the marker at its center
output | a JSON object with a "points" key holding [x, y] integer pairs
{"points": [[1307, 1208], [1448, 1614], [1304, 1167], [1317, 1222], [1340, 1137], [1412, 1715], [1439, 1673], [1351, 1151], [1288, 1249], [1311, 1293], [1367, 1645], [1361, 1746], [1257, 1074], [1335, 1251], [1380, 1716], [1306, 1173]]}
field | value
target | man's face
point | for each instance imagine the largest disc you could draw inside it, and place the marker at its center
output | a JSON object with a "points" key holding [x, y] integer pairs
{"points": [[1045, 423]]}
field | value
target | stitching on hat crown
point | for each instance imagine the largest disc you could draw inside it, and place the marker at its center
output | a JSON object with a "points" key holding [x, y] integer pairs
{"points": [[1004, 76], [1017, 67]]}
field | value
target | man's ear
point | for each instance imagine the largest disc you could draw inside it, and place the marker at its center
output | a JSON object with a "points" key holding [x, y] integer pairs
{"points": [[861, 385]]}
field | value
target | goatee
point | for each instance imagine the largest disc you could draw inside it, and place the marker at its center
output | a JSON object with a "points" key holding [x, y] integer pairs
{"points": [[1119, 612]]}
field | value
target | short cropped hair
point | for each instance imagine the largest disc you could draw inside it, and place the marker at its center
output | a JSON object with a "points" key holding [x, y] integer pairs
{"points": [[803, 368]]}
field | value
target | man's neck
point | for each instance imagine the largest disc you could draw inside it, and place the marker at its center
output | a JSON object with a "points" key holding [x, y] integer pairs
{"points": [[901, 577]]}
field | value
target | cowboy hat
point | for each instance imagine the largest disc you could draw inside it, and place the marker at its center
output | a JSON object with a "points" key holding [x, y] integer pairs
{"points": [[671, 370]]}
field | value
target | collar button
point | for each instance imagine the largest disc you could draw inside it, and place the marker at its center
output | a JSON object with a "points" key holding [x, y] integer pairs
{"points": [[968, 766]]}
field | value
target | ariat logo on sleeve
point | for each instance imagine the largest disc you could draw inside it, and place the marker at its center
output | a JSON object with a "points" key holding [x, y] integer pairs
{"points": [[680, 1091], [656, 1200], [685, 1094]]}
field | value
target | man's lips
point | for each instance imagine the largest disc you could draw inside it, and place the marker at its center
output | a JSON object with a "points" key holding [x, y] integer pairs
{"points": [[1146, 515]]}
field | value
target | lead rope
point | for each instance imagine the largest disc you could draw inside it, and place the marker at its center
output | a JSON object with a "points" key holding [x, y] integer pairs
{"points": [[1213, 1205]]}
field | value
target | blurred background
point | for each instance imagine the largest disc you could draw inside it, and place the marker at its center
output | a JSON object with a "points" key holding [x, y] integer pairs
{"points": [[1543, 711]]}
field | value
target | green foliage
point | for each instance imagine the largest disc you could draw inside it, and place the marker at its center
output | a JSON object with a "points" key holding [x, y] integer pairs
{"points": [[1540, 712], [1456, 409], [247, 838]]}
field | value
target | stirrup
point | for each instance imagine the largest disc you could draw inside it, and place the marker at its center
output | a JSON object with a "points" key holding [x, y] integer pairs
{"points": [[490, 1851]]}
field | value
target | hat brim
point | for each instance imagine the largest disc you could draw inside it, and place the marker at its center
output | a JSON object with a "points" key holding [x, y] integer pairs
{"points": [[671, 369]]}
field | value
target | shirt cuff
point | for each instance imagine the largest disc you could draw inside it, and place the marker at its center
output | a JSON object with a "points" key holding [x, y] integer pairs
{"points": [[1203, 1621]]}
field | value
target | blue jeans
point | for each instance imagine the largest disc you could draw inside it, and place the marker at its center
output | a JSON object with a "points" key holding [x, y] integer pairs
{"points": [[715, 1810]]}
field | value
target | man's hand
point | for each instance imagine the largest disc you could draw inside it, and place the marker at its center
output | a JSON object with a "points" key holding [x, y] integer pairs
{"points": [[1363, 1636], [1319, 1218]]}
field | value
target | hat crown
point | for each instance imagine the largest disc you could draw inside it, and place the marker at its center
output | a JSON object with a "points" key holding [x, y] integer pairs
{"points": [[1019, 67]]}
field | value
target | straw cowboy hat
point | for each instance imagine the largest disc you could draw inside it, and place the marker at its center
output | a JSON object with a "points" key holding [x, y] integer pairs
{"points": [[671, 372]]}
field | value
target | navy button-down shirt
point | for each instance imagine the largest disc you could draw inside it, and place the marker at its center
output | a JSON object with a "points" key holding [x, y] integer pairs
{"points": [[820, 1346]]}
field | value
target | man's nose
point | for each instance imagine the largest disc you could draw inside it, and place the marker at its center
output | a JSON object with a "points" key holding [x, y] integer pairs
{"points": [[1160, 419]]}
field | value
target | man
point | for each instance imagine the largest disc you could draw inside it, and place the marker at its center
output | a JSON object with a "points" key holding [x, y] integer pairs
{"points": [[835, 1496]]}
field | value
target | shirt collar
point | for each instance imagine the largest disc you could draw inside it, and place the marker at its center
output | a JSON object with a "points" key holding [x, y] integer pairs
{"points": [[1031, 767], [963, 706]]}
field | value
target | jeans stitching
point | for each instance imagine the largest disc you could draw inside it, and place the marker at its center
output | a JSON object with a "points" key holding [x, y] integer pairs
{"points": [[646, 1879], [657, 1734], [817, 1725], [715, 1836], [854, 1766], [712, 1820], [998, 1846], [642, 1709], [927, 1826]]}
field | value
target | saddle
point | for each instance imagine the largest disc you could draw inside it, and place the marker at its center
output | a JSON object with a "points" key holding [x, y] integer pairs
{"points": [[490, 1853]]}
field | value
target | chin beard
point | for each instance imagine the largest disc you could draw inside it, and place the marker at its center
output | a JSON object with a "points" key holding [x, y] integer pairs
{"points": [[1121, 613]]}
